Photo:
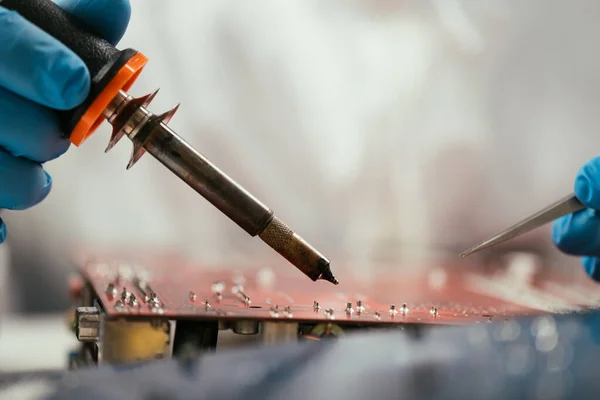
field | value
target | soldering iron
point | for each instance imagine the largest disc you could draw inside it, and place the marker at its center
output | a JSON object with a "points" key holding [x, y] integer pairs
{"points": [[113, 73]]}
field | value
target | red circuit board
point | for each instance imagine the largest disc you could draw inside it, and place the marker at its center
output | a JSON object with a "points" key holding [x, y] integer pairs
{"points": [[459, 295]]}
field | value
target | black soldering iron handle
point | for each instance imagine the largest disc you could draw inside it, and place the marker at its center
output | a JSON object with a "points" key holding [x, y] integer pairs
{"points": [[102, 59]]}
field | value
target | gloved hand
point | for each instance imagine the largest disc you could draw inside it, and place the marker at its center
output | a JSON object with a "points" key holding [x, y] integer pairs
{"points": [[579, 233], [38, 74]]}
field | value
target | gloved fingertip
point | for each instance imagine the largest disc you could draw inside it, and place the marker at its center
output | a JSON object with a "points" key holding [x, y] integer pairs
{"points": [[108, 18], [559, 233], [75, 88], [3, 231], [61, 148], [587, 184], [48, 179], [44, 189], [120, 20], [591, 267], [48, 185]]}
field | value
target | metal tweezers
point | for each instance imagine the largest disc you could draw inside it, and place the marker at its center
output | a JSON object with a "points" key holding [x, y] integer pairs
{"points": [[564, 206]]}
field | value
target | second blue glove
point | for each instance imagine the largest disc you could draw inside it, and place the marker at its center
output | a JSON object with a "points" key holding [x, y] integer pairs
{"points": [[579, 233]]}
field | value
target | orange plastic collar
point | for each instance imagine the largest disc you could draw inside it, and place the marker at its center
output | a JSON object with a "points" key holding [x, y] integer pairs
{"points": [[93, 117]]}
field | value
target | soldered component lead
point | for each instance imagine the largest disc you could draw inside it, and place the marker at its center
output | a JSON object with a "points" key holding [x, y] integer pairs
{"points": [[120, 306], [237, 290], [111, 290], [349, 310], [133, 300], [404, 309], [125, 296], [359, 307], [274, 311], [218, 288], [142, 288], [329, 313], [316, 306]]}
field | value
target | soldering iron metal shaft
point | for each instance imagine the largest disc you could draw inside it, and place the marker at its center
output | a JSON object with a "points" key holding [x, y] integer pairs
{"points": [[149, 133]]}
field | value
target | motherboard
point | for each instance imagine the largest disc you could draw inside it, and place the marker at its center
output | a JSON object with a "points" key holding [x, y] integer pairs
{"points": [[131, 309]]}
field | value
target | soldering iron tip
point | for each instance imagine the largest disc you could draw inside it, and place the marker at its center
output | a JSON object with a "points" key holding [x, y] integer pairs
{"points": [[328, 276]]}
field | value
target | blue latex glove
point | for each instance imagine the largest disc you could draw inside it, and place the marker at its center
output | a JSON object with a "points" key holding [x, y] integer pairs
{"points": [[579, 233], [38, 74]]}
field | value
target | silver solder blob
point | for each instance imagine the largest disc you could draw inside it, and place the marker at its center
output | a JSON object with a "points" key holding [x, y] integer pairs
{"points": [[274, 311], [111, 290], [359, 307], [133, 300], [404, 309], [329, 313], [125, 296], [120, 306], [316, 306], [349, 309], [288, 312]]}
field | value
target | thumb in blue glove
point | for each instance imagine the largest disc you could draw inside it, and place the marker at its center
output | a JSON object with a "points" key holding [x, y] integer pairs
{"points": [[38, 75], [579, 233]]}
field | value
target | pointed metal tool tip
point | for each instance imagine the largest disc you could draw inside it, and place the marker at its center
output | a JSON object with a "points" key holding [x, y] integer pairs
{"points": [[147, 99], [111, 144], [484, 245], [138, 152], [131, 163], [166, 117], [465, 254], [567, 205], [114, 139]]}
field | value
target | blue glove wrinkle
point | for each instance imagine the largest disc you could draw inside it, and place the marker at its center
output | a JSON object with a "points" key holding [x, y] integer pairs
{"points": [[38, 67], [2, 231], [592, 267], [24, 182], [29, 130], [108, 18], [587, 184], [578, 233]]}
